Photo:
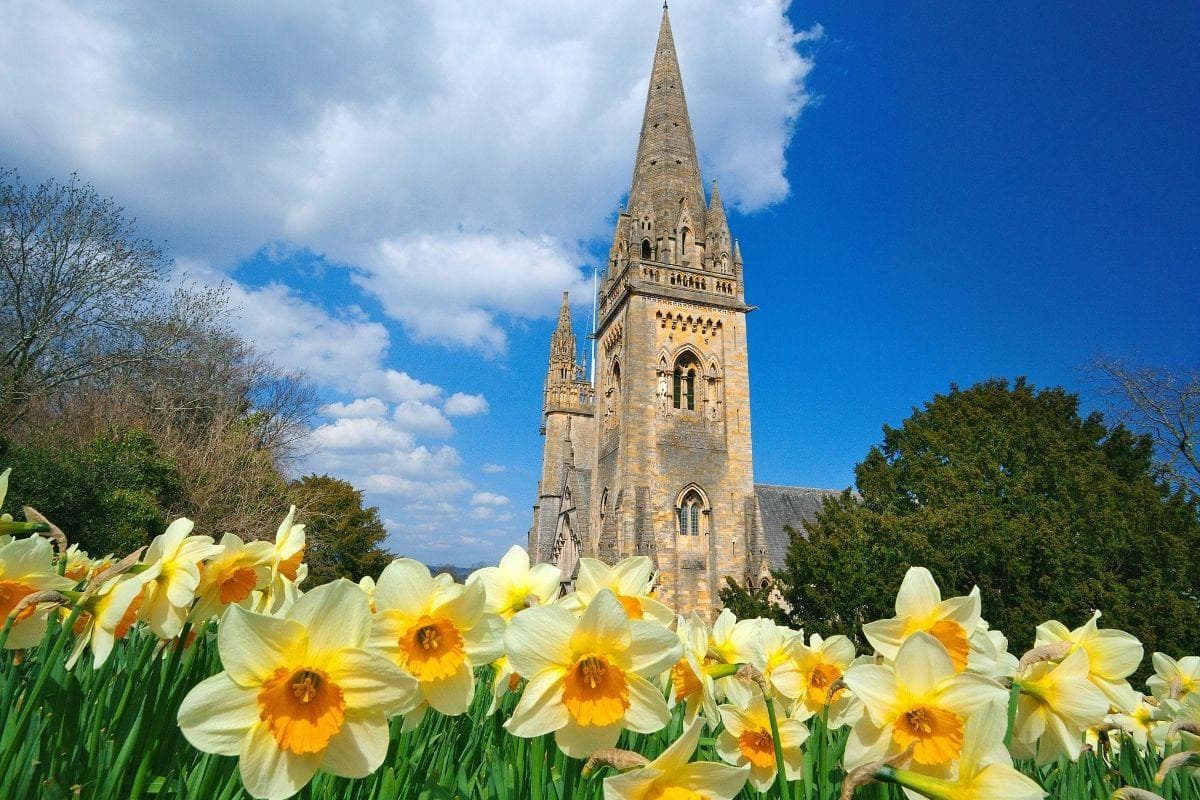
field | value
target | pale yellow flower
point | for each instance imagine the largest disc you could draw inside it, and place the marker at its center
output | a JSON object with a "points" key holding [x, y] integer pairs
{"points": [[1173, 679], [1058, 703], [436, 630], [734, 641], [630, 580], [232, 576], [1147, 722], [367, 584], [671, 777], [514, 585], [1113, 656], [109, 614], [587, 675], [817, 666], [691, 682], [747, 740], [299, 692], [919, 701], [984, 770], [288, 569], [504, 680], [920, 607], [174, 556], [27, 566]]}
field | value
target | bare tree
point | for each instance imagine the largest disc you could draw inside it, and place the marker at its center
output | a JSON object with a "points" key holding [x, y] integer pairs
{"points": [[1164, 406], [75, 283]]}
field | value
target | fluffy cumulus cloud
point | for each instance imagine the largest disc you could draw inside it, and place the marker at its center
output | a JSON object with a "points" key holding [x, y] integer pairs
{"points": [[463, 167]]}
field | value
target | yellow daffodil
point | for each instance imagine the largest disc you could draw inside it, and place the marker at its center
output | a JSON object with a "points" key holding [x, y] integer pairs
{"points": [[299, 692], [1174, 680], [437, 631], [630, 580], [288, 569], [817, 666], [920, 607], [747, 740], [1057, 703], [734, 641], [232, 576], [587, 675], [671, 777], [27, 566], [175, 557], [504, 680], [985, 770], [919, 701], [108, 615], [691, 681], [514, 585], [1147, 722], [1113, 656], [779, 671]]}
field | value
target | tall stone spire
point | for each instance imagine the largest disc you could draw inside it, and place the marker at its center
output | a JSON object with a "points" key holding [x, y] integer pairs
{"points": [[667, 170], [562, 341]]}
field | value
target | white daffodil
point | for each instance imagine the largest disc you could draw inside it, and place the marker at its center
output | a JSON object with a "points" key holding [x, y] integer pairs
{"points": [[691, 679], [299, 692], [672, 777], [1174, 680], [26, 567], [1113, 656], [735, 641], [817, 666], [747, 740], [367, 584], [108, 614], [437, 630], [920, 607], [514, 585], [232, 576], [588, 675], [630, 580], [1058, 703], [288, 569], [920, 701], [1147, 722], [175, 558]]}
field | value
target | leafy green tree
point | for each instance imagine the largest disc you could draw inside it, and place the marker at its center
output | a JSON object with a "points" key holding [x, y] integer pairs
{"points": [[110, 494], [344, 540], [1007, 488]]}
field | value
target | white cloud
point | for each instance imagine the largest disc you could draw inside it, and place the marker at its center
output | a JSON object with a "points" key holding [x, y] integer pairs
{"points": [[457, 159], [398, 386], [489, 499], [362, 407], [460, 404], [422, 418], [362, 434], [493, 469]]}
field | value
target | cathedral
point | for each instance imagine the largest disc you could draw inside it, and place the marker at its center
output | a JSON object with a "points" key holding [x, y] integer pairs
{"points": [[653, 457]]}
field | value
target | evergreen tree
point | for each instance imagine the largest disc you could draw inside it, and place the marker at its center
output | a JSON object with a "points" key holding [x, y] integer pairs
{"points": [[1007, 488], [344, 540]]}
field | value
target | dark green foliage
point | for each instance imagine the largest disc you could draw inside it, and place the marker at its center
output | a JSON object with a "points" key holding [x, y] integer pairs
{"points": [[344, 540], [110, 494], [1008, 488]]}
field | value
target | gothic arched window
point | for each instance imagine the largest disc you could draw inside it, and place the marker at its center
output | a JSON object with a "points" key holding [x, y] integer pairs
{"points": [[689, 514], [645, 248], [683, 243], [687, 367]]}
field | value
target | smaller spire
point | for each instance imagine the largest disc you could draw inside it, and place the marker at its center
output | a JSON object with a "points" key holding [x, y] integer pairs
{"points": [[716, 210], [564, 312]]}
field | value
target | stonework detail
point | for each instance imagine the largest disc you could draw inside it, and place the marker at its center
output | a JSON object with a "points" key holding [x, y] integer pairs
{"points": [[655, 459]]}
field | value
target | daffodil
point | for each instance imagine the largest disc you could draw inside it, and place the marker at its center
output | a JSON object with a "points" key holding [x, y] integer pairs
{"points": [[779, 670], [27, 566], [1147, 722], [747, 740], [437, 631], [288, 569], [514, 585], [817, 667], [985, 770], [232, 576], [175, 556], [1113, 656], [630, 580], [80, 566], [367, 584], [920, 701], [588, 675], [672, 777], [738, 641], [691, 683], [504, 680], [1057, 703], [299, 692], [1174, 680], [108, 614], [920, 607]]}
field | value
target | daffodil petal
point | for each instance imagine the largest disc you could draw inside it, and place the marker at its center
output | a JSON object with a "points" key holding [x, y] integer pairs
{"points": [[647, 710], [216, 715], [922, 663], [652, 648], [712, 781], [484, 643], [604, 626], [358, 748], [252, 645], [337, 615], [451, 695], [1001, 780], [369, 680], [404, 585], [918, 594], [271, 773], [539, 638], [540, 709], [580, 741], [875, 685]]}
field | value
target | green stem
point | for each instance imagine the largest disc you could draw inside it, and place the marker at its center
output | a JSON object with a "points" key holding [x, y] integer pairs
{"points": [[570, 770], [785, 788], [1014, 694], [537, 766]]}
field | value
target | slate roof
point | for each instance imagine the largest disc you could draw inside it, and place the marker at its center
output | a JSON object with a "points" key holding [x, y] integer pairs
{"points": [[782, 507]]}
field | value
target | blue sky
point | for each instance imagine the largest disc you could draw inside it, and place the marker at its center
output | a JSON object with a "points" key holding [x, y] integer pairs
{"points": [[395, 194]]}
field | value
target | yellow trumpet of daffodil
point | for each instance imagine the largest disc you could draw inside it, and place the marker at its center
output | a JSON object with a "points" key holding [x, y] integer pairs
{"points": [[672, 777], [920, 701], [26, 567], [1113, 656], [1173, 680], [920, 607], [816, 667], [437, 631], [631, 580], [984, 770], [513, 584], [232, 576], [174, 557], [1058, 703], [747, 740], [587, 675], [299, 692]]}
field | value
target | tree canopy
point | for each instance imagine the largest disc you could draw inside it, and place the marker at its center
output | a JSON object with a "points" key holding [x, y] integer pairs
{"points": [[1008, 488], [344, 539]]}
